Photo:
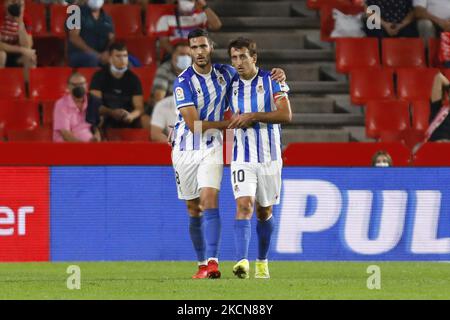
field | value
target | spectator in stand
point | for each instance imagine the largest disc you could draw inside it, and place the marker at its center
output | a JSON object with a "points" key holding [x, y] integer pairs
{"points": [[189, 15], [381, 159], [164, 118], [16, 41], [397, 19], [120, 90], [166, 74], [88, 46], [433, 17], [439, 123], [76, 114]]}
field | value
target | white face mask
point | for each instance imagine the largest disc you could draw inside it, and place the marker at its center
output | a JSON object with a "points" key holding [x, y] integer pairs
{"points": [[186, 7], [95, 4], [184, 62], [117, 70], [381, 164]]}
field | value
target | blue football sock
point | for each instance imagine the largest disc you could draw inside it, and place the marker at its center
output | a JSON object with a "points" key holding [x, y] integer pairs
{"points": [[212, 232], [196, 232], [264, 230], [242, 234]]}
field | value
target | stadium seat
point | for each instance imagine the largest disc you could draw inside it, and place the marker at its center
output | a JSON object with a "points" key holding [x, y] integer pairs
{"points": [[317, 4], [154, 12], [58, 16], [143, 48], [48, 83], [354, 53], [415, 83], [18, 115], [127, 19], [38, 17], [371, 84], [433, 53], [146, 75], [34, 135], [47, 113], [386, 118], [327, 20], [403, 52], [420, 115], [88, 73], [127, 134], [12, 83]]}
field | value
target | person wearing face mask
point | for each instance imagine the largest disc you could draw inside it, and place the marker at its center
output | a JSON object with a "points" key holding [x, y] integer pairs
{"points": [[120, 90], [76, 115], [189, 15], [88, 46], [166, 74], [16, 41], [381, 159]]}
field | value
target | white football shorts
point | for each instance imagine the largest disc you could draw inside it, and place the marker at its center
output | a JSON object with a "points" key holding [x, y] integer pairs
{"points": [[259, 180], [197, 169]]}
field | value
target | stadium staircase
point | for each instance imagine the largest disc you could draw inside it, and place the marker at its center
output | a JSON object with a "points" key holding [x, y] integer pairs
{"points": [[288, 36]]}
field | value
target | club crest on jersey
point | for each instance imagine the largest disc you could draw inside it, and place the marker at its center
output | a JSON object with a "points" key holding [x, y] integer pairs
{"points": [[179, 93], [222, 81], [235, 92], [199, 91], [260, 89], [236, 188]]}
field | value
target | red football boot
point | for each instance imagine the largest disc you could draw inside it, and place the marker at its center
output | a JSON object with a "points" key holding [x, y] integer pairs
{"points": [[202, 272], [213, 270]]}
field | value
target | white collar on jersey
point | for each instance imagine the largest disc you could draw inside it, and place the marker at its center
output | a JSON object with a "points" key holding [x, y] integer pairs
{"points": [[202, 74]]}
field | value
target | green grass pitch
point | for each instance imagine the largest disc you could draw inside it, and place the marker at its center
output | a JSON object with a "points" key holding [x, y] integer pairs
{"points": [[171, 280]]}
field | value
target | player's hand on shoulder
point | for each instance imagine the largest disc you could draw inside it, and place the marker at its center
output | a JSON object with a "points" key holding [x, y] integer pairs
{"points": [[278, 75]]}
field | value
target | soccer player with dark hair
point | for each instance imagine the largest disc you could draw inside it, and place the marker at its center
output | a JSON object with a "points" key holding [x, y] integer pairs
{"points": [[199, 93], [259, 105]]}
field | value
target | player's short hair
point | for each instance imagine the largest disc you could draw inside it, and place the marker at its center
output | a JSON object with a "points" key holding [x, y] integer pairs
{"points": [[240, 43], [118, 46], [197, 33]]}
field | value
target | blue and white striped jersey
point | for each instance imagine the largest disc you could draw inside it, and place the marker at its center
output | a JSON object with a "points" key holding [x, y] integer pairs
{"points": [[208, 94], [262, 142]]}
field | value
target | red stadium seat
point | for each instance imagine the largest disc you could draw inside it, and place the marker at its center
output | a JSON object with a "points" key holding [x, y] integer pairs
{"points": [[12, 83], [433, 53], [37, 12], [143, 48], [420, 115], [58, 16], [354, 53], [48, 83], [317, 4], [127, 134], [88, 73], [388, 117], [327, 20], [154, 12], [18, 115], [403, 52], [126, 18], [146, 75], [415, 83], [47, 113], [371, 84], [35, 135]]}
